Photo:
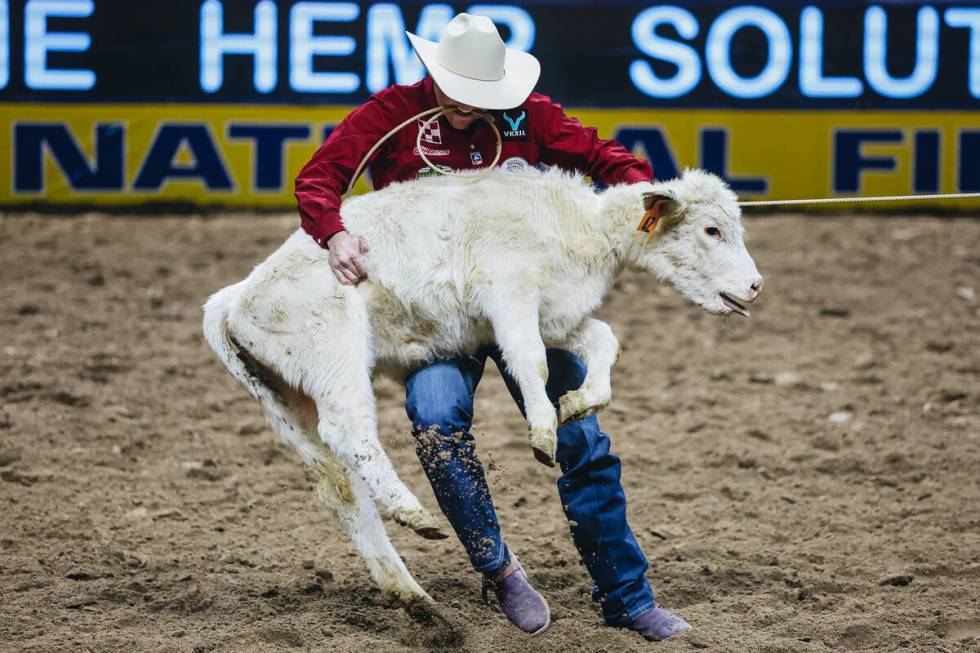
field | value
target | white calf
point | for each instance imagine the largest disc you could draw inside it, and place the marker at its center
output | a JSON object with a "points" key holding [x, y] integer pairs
{"points": [[522, 259]]}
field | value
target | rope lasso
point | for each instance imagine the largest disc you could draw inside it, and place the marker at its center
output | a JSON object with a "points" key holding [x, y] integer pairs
{"points": [[847, 200], [442, 110], [439, 112], [483, 171]]}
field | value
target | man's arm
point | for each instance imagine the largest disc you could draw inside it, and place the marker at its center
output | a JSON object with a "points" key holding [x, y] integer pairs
{"points": [[565, 142], [322, 181]]}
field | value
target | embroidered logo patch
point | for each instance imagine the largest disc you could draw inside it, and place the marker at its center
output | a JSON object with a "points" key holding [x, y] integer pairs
{"points": [[476, 158], [431, 133], [514, 164], [515, 126]]}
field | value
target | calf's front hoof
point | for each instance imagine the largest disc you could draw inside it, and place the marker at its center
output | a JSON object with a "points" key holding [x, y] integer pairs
{"points": [[423, 522], [431, 533], [544, 444], [576, 404]]}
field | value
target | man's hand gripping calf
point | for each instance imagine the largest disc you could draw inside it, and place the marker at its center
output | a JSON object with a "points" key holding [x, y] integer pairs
{"points": [[346, 258]]}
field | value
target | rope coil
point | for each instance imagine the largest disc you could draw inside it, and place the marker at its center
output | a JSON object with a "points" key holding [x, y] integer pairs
{"points": [[439, 112], [488, 118]]}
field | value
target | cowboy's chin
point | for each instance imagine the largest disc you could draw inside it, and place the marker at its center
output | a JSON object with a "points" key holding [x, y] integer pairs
{"points": [[459, 121]]}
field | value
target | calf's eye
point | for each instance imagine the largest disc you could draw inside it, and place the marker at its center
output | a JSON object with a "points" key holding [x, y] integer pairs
{"points": [[713, 232]]}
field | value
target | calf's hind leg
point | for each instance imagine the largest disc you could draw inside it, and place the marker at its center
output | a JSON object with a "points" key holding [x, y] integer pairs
{"points": [[347, 425], [349, 499], [345, 494], [336, 373]]}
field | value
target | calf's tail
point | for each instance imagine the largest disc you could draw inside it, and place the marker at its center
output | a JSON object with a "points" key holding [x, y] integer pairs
{"points": [[258, 380]]}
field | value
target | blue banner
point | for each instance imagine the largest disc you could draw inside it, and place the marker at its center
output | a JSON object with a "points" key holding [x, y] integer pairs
{"points": [[882, 55]]}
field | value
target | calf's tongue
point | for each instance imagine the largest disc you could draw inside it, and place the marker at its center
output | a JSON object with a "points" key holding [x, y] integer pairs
{"points": [[734, 305]]}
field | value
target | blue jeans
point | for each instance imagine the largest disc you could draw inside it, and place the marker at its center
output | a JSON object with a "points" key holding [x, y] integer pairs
{"points": [[439, 401]]}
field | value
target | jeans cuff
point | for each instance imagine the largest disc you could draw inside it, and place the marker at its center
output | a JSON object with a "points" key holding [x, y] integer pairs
{"points": [[631, 615], [498, 562]]}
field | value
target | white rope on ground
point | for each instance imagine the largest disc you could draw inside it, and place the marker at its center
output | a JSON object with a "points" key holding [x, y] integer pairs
{"points": [[847, 200]]}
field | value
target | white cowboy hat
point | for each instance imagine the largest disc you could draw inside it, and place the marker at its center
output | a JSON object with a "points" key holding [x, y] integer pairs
{"points": [[471, 65]]}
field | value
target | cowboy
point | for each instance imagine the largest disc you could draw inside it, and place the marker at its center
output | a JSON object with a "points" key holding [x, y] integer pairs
{"points": [[472, 71]]}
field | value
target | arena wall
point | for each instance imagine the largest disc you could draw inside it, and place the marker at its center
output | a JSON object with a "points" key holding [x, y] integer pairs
{"points": [[212, 103]]}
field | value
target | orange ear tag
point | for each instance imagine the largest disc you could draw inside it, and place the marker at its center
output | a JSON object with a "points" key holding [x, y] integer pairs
{"points": [[653, 215], [649, 221]]}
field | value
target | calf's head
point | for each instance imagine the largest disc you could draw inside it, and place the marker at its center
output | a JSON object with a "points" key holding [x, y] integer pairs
{"points": [[691, 235]]}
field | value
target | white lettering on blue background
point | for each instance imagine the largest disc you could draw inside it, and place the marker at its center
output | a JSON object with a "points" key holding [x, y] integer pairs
{"points": [[304, 46], [778, 58], [38, 41], [387, 42], [4, 44], [813, 83], [969, 19], [517, 21], [926, 54], [646, 40], [260, 44]]}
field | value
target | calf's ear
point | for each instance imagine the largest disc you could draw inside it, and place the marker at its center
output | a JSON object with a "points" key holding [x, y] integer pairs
{"points": [[656, 206]]}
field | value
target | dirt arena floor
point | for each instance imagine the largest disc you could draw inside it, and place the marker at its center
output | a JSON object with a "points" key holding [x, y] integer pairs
{"points": [[805, 480]]}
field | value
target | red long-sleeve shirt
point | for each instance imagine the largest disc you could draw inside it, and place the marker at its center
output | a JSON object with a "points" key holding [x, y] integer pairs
{"points": [[538, 131]]}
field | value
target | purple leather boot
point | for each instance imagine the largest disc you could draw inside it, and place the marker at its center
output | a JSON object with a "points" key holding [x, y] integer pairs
{"points": [[658, 624], [522, 604]]}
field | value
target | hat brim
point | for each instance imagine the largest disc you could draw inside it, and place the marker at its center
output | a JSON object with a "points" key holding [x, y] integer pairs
{"points": [[521, 72]]}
